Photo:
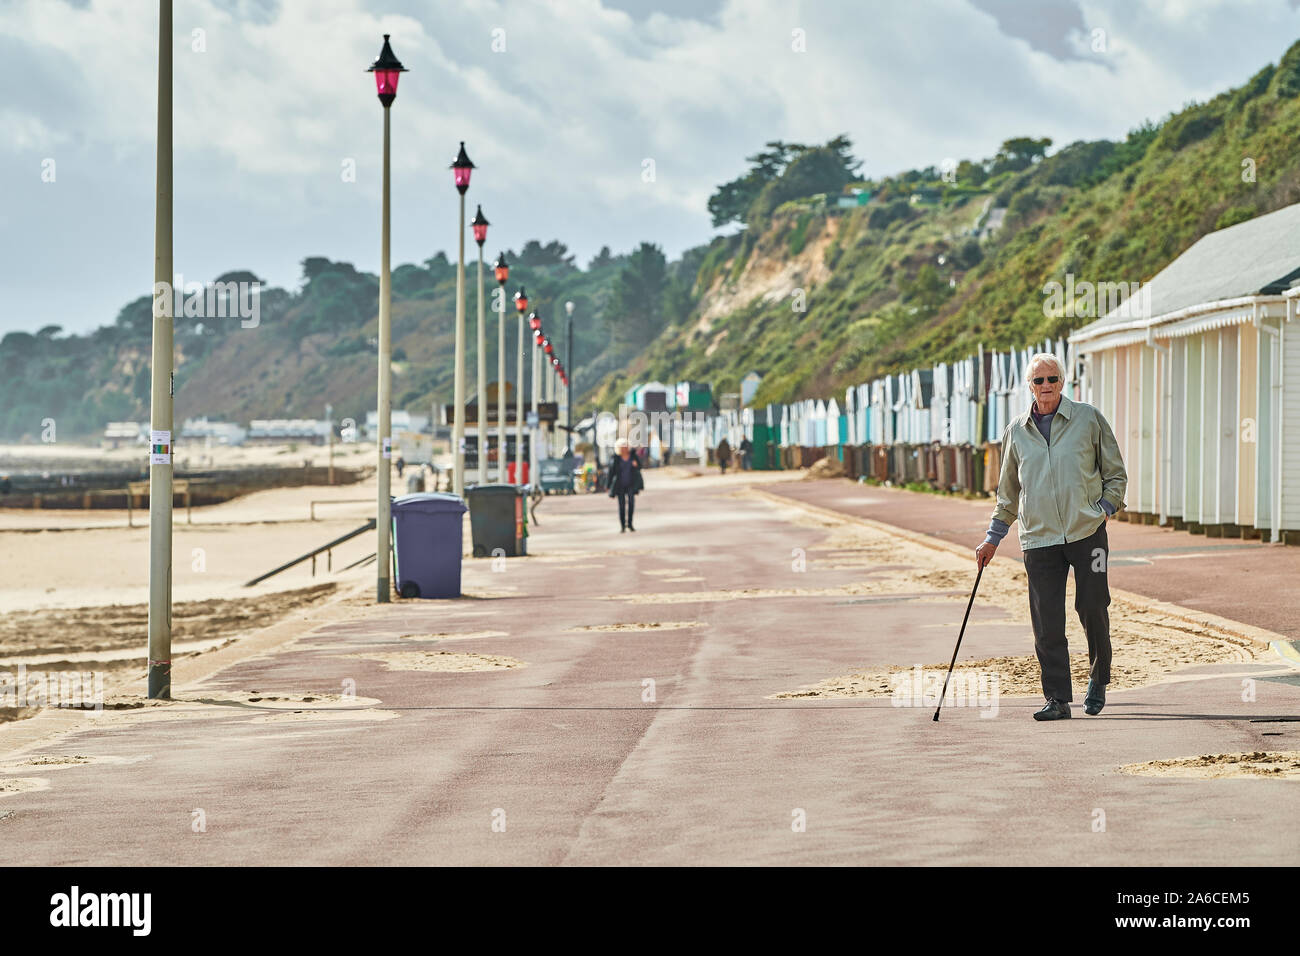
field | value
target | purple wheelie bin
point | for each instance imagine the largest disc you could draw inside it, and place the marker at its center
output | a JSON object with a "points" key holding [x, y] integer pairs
{"points": [[427, 541]]}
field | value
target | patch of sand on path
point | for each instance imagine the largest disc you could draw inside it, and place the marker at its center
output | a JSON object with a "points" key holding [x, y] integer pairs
{"points": [[203, 703], [442, 661], [1147, 644], [81, 631], [1136, 660], [323, 715], [631, 626], [1275, 764], [452, 636], [13, 785]]}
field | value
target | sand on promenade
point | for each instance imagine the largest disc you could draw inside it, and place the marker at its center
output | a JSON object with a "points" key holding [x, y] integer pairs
{"points": [[1147, 645]]}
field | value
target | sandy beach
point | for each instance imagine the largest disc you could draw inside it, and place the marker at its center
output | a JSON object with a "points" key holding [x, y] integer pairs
{"points": [[74, 584]]}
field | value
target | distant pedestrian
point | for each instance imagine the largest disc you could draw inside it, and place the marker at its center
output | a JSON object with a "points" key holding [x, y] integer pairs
{"points": [[1062, 476], [625, 482], [746, 453], [723, 454], [401, 465]]}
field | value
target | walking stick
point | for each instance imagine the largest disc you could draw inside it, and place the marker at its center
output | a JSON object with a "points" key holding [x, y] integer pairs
{"points": [[978, 574]]}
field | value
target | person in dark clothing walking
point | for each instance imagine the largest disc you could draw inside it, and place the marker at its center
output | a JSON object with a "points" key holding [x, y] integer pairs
{"points": [[746, 453], [624, 481], [723, 454]]}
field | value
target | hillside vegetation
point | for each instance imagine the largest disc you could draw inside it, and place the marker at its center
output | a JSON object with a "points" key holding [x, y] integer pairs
{"points": [[317, 344], [908, 279]]}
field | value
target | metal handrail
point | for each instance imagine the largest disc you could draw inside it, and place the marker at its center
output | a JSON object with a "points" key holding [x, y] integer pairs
{"points": [[311, 555]]}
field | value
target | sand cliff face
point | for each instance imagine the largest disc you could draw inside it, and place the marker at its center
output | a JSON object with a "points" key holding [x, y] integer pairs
{"points": [[770, 273]]}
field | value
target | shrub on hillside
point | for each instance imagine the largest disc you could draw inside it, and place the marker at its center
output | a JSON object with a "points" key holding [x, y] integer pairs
{"points": [[896, 210], [1233, 215], [1286, 83]]}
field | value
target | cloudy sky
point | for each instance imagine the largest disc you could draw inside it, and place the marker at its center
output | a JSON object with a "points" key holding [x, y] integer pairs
{"points": [[560, 104]]}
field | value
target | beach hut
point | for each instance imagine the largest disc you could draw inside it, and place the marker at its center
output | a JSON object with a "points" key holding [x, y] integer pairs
{"points": [[834, 421], [1192, 372]]}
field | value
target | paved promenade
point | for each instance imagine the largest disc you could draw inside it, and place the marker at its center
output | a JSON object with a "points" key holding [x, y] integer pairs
{"points": [[611, 699]]}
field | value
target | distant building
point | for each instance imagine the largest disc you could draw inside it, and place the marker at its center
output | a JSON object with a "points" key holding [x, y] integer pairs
{"points": [[749, 387], [694, 396], [223, 433], [650, 397], [400, 421], [278, 431], [853, 198], [117, 434]]}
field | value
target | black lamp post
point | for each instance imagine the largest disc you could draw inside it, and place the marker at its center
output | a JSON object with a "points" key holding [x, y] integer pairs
{"points": [[480, 226], [501, 269], [535, 323], [461, 169], [387, 69], [521, 306], [568, 392]]}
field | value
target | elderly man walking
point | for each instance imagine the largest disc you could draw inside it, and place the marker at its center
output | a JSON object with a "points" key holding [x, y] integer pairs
{"points": [[1062, 476]]}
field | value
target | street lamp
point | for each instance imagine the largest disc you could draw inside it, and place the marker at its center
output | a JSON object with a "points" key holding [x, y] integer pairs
{"points": [[548, 350], [501, 269], [568, 394], [544, 358], [387, 69], [480, 226], [461, 168], [521, 306], [554, 386], [535, 323], [160, 397]]}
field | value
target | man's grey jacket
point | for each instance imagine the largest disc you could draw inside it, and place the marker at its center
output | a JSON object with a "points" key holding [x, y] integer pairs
{"points": [[1056, 490]]}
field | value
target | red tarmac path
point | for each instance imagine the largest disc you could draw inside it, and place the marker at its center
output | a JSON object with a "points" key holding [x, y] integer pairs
{"points": [[1250, 581], [583, 770]]}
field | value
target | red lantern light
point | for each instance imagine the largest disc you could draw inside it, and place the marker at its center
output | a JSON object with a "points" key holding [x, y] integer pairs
{"points": [[521, 301], [387, 68], [480, 225], [461, 168], [502, 269], [548, 348], [535, 322]]}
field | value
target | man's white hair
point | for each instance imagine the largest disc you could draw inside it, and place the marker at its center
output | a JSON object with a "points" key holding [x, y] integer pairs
{"points": [[1040, 358]]}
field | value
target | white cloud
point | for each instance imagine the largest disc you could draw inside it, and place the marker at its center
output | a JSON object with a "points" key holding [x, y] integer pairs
{"points": [[558, 124]]}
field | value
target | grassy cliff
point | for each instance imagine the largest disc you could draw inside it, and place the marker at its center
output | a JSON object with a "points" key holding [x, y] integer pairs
{"points": [[816, 298]]}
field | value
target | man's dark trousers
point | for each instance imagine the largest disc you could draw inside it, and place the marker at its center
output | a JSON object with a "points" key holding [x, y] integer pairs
{"points": [[626, 502], [1047, 569]]}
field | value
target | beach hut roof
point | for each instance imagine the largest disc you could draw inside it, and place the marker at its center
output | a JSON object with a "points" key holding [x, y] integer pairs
{"points": [[1260, 256]]}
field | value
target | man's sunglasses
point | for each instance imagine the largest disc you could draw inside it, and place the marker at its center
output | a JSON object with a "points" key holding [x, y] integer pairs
{"points": [[1051, 378]]}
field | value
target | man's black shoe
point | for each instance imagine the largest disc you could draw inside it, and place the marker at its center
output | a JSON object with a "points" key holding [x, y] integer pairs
{"points": [[1053, 710], [1096, 699], [630, 528]]}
